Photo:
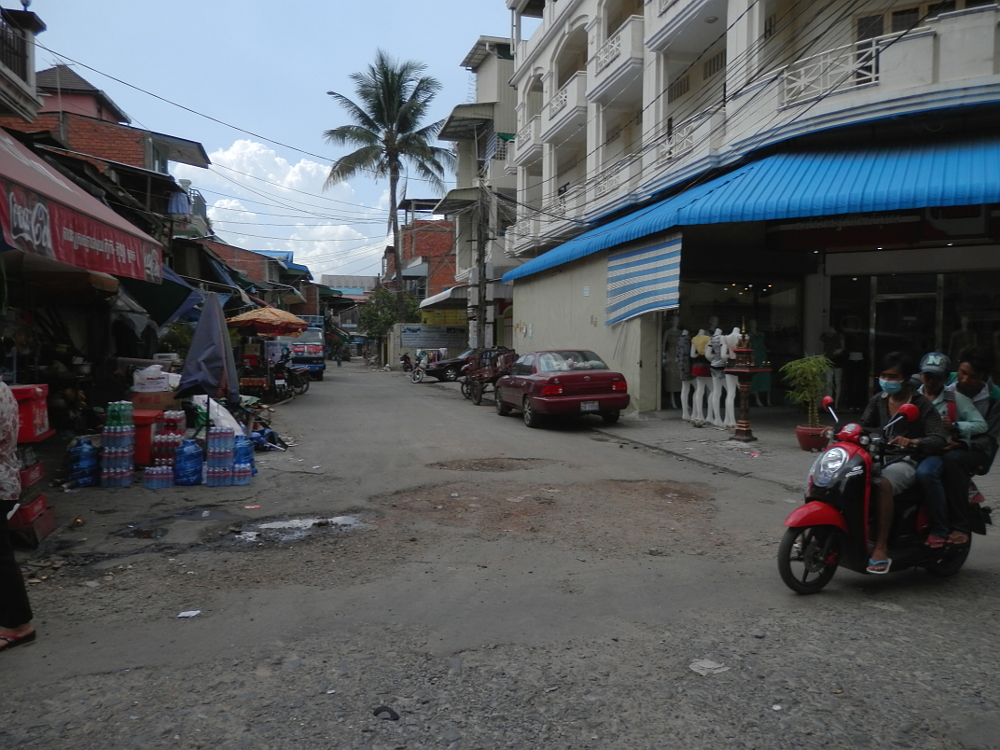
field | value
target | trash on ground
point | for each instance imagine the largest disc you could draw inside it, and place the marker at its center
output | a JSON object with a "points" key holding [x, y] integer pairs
{"points": [[251, 507], [706, 667], [189, 614], [384, 712], [776, 707]]}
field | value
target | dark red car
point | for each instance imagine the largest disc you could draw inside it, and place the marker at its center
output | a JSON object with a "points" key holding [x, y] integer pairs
{"points": [[563, 381]]}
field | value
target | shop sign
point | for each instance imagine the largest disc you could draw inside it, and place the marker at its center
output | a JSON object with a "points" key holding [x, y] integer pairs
{"points": [[433, 337], [34, 224]]}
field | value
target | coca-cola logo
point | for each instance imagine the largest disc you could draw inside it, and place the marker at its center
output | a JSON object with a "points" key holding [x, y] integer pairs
{"points": [[31, 225]]}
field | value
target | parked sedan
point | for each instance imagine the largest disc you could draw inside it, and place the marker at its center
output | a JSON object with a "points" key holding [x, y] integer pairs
{"points": [[565, 381], [449, 369]]}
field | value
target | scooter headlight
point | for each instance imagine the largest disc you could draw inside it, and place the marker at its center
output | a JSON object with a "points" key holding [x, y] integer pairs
{"points": [[828, 465]]}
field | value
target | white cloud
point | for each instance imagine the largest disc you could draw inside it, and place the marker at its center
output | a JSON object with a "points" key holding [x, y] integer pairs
{"points": [[287, 208]]}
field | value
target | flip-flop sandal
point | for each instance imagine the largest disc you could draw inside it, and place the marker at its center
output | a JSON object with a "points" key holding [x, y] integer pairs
{"points": [[12, 641], [958, 542], [872, 563], [935, 542]]}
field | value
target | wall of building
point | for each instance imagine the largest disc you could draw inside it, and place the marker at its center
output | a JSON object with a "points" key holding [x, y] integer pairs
{"points": [[85, 105], [312, 304], [106, 140], [566, 308], [249, 264]]}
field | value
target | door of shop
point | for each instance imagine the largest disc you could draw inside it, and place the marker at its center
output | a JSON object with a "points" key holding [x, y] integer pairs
{"points": [[904, 322]]}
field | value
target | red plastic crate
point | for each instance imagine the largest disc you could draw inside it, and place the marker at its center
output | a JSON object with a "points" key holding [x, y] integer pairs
{"points": [[32, 474], [33, 533], [28, 512], [33, 411]]}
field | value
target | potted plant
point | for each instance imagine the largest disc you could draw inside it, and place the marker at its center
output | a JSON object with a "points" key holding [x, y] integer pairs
{"points": [[806, 381]]}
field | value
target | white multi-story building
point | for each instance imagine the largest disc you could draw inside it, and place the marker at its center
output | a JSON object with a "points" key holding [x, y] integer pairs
{"points": [[827, 170], [482, 204]]}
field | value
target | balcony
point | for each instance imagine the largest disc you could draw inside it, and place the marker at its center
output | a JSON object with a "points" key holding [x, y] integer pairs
{"points": [[521, 236], [616, 69], [564, 215], [685, 148], [528, 143], [617, 181], [671, 19], [838, 69], [17, 63], [565, 116]]}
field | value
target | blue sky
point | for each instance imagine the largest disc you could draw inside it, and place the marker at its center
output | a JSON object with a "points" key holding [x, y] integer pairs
{"points": [[266, 68]]}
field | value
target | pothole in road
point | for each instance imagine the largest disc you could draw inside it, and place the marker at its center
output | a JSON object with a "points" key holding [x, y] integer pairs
{"points": [[154, 528], [491, 464], [286, 530]]}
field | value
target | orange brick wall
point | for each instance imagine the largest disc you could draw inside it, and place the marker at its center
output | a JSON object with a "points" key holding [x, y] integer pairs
{"points": [[247, 262], [106, 140], [433, 240]]}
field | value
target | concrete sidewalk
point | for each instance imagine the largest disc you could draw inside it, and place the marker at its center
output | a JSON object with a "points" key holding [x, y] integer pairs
{"points": [[774, 457]]}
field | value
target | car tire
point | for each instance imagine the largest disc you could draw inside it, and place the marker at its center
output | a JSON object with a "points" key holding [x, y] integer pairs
{"points": [[502, 409], [450, 375], [531, 417], [610, 417]]}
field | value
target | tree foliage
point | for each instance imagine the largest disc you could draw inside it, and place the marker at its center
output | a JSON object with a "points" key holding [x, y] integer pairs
{"points": [[392, 98], [379, 314]]}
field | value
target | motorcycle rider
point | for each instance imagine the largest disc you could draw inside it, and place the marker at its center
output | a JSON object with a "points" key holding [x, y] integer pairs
{"points": [[926, 435], [963, 421], [976, 456]]}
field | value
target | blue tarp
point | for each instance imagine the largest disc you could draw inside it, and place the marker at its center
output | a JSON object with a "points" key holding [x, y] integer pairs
{"points": [[808, 183]]}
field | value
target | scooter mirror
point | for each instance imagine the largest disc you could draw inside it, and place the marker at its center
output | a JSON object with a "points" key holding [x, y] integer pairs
{"points": [[827, 402], [910, 412]]}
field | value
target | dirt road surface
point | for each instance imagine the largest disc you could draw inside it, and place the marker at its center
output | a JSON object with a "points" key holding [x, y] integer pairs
{"points": [[471, 583]]}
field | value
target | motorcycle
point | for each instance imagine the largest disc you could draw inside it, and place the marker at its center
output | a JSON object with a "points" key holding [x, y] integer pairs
{"points": [[289, 380], [418, 371], [834, 527], [406, 363]]}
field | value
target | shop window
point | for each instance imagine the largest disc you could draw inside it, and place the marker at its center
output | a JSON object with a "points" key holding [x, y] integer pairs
{"points": [[907, 283]]}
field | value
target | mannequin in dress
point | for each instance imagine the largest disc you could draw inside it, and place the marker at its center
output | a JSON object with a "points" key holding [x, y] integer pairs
{"points": [[760, 385], [683, 357], [671, 374], [702, 374], [716, 354], [731, 341], [834, 349]]}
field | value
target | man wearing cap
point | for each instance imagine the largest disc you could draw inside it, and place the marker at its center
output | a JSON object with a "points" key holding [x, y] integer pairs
{"points": [[963, 421]]}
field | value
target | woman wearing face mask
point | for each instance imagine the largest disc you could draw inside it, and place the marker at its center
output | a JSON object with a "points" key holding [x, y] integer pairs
{"points": [[924, 436]]}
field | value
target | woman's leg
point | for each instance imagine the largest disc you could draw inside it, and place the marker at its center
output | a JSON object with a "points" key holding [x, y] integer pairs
{"points": [[15, 611]]}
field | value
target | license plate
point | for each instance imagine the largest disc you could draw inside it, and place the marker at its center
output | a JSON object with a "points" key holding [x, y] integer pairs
{"points": [[589, 405], [279, 382]]}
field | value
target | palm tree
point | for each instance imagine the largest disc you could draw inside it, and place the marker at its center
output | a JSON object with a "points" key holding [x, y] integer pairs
{"points": [[393, 99]]}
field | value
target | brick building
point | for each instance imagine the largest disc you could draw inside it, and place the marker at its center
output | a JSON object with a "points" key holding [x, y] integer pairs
{"points": [[427, 252]]}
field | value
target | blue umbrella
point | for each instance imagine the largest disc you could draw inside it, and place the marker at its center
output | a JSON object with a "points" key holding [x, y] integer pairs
{"points": [[210, 367]]}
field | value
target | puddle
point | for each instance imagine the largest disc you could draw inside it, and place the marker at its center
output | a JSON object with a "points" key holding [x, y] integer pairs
{"points": [[295, 529], [137, 531], [153, 528], [491, 464], [205, 514]]}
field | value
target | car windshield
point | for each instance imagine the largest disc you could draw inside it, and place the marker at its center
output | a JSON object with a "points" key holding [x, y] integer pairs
{"points": [[569, 360], [309, 336]]}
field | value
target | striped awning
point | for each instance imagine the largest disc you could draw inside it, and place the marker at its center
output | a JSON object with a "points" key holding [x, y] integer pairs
{"points": [[644, 280]]}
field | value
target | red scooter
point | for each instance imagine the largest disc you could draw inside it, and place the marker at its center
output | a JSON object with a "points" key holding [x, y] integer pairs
{"points": [[835, 526]]}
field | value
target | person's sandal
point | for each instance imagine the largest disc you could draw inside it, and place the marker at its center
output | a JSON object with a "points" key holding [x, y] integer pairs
{"points": [[935, 542], [10, 641], [958, 538], [875, 566]]}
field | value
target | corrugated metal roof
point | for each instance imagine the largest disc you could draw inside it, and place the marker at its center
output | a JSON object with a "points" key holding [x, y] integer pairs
{"points": [[811, 183]]}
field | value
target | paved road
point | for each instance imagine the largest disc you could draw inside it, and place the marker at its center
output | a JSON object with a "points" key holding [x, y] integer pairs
{"points": [[489, 600]]}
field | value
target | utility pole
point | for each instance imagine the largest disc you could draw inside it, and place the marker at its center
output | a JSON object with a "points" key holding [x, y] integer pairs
{"points": [[482, 234]]}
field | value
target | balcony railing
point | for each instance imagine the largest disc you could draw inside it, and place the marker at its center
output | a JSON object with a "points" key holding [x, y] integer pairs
{"points": [[529, 133], [14, 50], [559, 100], [844, 67], [609, 51], [665, 5], [679, 140]]}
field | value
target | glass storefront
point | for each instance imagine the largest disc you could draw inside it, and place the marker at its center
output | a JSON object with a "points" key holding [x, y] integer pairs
{"points": [[918, 313]]}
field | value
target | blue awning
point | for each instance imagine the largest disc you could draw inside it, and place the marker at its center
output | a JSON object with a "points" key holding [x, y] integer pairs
{"points": [[809, 183]]}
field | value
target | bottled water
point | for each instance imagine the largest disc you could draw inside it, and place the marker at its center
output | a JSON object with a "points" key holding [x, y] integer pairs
{"points": [[188, 464]]}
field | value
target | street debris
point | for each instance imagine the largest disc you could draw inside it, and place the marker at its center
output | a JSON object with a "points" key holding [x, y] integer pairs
{"points": [[386, 713], [188, 614], [251, 507], [707, 667]]}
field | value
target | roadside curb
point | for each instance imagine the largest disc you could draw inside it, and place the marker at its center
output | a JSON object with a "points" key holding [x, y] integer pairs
{"points": [[700, 461]]}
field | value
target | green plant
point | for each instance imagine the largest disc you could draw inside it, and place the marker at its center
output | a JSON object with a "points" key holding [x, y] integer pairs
{"points": [[806, 381], [379, 314]]}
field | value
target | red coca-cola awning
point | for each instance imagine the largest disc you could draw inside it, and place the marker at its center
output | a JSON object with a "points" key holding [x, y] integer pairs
{"points": [[43, 213]]}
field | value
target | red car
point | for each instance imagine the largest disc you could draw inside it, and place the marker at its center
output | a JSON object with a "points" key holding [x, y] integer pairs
{"points": [[564, 381]]}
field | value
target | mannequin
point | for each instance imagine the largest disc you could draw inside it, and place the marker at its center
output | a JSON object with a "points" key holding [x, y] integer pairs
{"points": [[716, 354], [731, 341], [683, 358], [702, 374], [671, 375], [760, 385], [834, 349], [960, 339]]}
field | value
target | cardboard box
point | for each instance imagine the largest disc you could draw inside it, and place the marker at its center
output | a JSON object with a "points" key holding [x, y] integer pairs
{"points": [[33, 412], [162, 401]]}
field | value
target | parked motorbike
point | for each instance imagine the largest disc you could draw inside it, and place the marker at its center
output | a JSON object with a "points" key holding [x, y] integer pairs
{"points": [[289, 380], [406, 362], [418, 371], [835, 525]]}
